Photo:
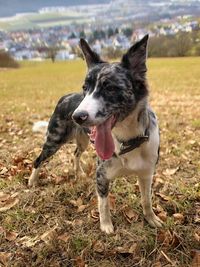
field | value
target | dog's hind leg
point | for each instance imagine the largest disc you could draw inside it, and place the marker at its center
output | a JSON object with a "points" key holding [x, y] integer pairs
{"points": [[82, 141], [49, 149], [145, 182], [59, 132]]}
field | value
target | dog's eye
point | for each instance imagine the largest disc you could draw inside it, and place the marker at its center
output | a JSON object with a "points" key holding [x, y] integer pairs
{"points": [[84, 87]]}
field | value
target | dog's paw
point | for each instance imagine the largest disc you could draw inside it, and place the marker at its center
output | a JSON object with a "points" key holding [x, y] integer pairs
{"points": [[107, 228], [154, 220], [32, 182]]}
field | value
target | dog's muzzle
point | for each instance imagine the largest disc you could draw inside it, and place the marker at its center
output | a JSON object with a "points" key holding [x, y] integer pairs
{"points": [[80, 116]]}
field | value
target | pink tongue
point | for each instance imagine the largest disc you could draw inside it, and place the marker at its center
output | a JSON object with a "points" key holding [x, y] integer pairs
{"points": [[104, 142]]}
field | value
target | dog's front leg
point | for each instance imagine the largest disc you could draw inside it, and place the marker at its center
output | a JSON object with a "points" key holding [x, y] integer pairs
{"points": [[145, 182], [106, 170], [103, 204]]}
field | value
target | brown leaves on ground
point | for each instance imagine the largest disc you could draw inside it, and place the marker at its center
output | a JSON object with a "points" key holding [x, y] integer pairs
{"points": [[10, 236], [168, 238], [79, 204], [58, 223], [49, 235], [178, 218], [169, 172], [94, 215], [80, 262], [99, 246], [28, 241], [5, 258], [197, 235], [196, 258], [129, 214], [128, 248], [8, 201], [20, 165], [64, 237], [197, 212]]}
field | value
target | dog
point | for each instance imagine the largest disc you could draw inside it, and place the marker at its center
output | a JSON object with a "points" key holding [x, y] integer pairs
{"points": [[114, 111]]}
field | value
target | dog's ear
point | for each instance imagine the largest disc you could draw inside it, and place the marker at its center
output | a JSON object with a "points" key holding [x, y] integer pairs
{"points": [[91, 57], [135, 58]]}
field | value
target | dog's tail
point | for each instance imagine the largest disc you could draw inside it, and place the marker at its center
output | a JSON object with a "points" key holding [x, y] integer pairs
{"points": [[40, 127]]}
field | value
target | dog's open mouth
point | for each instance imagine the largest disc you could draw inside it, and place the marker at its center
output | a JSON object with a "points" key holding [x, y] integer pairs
{"points": [[102, 138]]}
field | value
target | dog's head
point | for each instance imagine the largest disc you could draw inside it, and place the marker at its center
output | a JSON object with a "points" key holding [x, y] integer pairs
{"points": [[111, 90]]}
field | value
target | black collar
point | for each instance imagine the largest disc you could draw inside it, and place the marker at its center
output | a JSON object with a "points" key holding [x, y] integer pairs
{"points": [[127, 146]]}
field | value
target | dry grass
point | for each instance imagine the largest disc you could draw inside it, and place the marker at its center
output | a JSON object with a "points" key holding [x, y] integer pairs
{"points": [[56, 224]]}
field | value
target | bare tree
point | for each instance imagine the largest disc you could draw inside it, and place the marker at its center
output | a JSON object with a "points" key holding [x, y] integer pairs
{"points": [[52, 52], [182, 44]]}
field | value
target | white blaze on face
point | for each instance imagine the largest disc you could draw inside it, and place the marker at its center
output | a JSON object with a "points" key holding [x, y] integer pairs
{"points": [[90, 105]]}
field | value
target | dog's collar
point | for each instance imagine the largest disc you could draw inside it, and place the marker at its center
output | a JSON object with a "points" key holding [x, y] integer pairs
{"points": [[131, 144]]}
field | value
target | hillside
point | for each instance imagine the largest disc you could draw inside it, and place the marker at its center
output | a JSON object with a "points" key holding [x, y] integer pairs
{"points": [[10, 8]]}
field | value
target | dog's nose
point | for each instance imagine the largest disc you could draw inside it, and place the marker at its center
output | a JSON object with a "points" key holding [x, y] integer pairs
{"points": [[80, 116]]}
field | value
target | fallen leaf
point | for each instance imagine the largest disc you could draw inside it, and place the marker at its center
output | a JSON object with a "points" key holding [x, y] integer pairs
{"points": [[197, 213], [77, 222], [18, 159], [10, 236], [99, 247], [178, 218], [14, 194], [169, 172], [28, 241], [4, 258], [80, 262], [76, 203], [173, 264], [159, 209], [162, 215], [163, 197], [95, 215], [129, 248], [130, 214], [1, 230], [28, 161], [3, 171], [196, 258], [49, 235], [112, 202], [59, 179], [192, 142], [3, 197], [168, 238], [157, 264], [82, 208], [8, 204], [197, 235], [64, 237]]}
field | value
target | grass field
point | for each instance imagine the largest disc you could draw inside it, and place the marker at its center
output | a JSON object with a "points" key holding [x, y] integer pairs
{"points": [[37, 20], [57, 223]]}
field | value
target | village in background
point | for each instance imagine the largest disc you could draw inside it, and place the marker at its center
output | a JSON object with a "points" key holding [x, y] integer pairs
{"points": [[54, 32]]}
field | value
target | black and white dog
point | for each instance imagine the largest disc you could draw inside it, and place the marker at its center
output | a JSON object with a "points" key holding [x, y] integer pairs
{"points": [[114, 109]]}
